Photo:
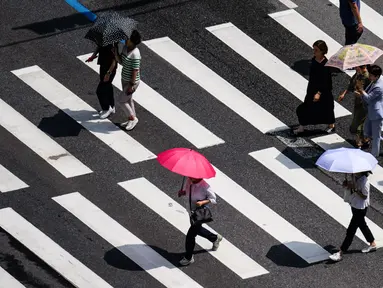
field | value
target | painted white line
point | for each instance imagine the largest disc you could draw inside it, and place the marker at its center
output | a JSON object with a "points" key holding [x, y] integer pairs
{"points": [[311, 188], [166, 111], [306, 31], [10, 182], [80, 111], [266, 219], [177, 215], [219, 88], [131, 246], [48, 251], [289, 4], [40, 143], [7, 280], [266, 62], [372, 20], [334, 141]]}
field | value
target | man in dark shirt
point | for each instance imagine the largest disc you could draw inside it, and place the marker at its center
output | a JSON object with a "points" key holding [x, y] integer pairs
{"points": [[350, 14], [108, 67]]}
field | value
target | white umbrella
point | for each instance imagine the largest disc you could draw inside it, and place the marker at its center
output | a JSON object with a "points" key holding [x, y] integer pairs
{"points": [[346, 160]]}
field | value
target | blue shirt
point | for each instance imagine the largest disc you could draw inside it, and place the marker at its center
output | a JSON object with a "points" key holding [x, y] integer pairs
{"points": [[348, 18]]}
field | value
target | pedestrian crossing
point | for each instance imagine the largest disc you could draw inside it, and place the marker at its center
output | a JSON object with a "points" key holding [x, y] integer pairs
{"points": [[231, 257]]}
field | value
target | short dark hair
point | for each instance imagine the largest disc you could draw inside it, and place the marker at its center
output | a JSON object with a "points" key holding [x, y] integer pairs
{"points": [[135, 37], [322, 46], [375, 70]]}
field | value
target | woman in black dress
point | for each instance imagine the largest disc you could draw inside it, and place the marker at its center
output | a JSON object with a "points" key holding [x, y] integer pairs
{"points": [[318, 106]]}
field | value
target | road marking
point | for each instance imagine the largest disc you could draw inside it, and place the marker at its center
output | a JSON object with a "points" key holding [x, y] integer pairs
{"points": [[334, 141], [306, 31], [40, 143], [131, 246], [82, 9], [289, 4], [311, 188], [266, 219], [48, 251], [177, 215], [219, 88], [7, 280], [166, 111], [372, 20], [80, 111], [266, 62], [10, 182]]}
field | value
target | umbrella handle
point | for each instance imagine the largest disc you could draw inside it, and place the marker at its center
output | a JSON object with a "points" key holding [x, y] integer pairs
{"points": [[183, 182]]}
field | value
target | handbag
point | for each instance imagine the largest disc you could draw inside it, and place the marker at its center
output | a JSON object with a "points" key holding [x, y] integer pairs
{"points": [[200, 215]]}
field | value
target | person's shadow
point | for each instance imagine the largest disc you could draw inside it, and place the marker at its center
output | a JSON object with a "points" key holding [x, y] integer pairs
{"points": [[130, 257]]}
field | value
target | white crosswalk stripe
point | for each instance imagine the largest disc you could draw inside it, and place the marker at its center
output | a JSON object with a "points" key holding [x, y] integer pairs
{"points": [[233, 256], [9, 181]]}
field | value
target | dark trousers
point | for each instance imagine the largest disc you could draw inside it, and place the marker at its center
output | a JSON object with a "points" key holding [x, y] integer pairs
{"points": [[105, 89], [357, 221], [193, 231], [352, 34]]}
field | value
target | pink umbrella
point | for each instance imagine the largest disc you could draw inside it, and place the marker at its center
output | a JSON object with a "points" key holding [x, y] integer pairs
{"points": [[186, 162]]}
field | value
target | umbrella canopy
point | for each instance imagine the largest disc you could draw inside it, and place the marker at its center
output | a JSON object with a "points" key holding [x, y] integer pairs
{"points": [[186, 162], [351, 56], [346, 160], [110, 28]]}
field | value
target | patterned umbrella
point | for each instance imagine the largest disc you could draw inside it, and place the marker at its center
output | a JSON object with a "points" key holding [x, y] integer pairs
{"points": [[110, 28], [351, 56]]}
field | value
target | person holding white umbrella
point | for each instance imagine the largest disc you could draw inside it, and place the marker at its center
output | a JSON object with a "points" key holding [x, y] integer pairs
{"points": [[359, 201], [359, 164]]}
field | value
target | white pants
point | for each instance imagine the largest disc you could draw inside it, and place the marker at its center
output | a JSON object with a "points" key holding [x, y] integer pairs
{"points": [[125, 100]]}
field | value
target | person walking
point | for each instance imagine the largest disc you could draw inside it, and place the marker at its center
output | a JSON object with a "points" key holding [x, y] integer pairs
{"points": [[198, 193], [359, 202], [130, 59], [359, 79], [108, 67], [349, 11], [373, 97], [318, 105]]}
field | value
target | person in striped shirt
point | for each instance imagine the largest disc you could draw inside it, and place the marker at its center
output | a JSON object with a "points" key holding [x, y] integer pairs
{"points": [[130, 59]]}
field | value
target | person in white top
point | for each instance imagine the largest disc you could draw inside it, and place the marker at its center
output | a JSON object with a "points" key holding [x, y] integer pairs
{"points": [[201, 194], [359, 202]]}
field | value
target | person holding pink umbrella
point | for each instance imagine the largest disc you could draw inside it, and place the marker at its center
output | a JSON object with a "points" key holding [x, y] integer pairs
{"points": [[198, 193]]}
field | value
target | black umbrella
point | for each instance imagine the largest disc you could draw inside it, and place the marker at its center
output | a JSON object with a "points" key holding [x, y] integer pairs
{"points": [[110, 28]]}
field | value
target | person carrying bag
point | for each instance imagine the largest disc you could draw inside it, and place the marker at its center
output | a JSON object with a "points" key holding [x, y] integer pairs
{"points": [[199, 194]]}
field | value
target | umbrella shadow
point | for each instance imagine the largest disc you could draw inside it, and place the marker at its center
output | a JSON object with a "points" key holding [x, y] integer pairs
{"points": [[84, 120], [118, 257], [54, 127], [283, 256]]}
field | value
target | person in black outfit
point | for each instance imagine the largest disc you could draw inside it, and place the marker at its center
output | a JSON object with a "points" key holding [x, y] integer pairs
{"points": [[108, 67], [318, 106]]}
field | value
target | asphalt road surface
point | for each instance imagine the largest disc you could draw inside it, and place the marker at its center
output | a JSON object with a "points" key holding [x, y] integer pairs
{"points": [[86, 204]]}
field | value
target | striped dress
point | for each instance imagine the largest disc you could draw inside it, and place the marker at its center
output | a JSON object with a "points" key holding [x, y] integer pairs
{"points": [[130, 62]]}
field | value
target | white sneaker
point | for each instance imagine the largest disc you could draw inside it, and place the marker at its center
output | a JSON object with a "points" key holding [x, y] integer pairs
{"points": [[108, 113], [185, 262], [131, 124], [369, 249], [216, 242], [336, 257]]}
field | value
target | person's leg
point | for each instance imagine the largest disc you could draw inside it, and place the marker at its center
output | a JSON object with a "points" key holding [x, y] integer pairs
{"points": [[376, 128], [190, 244], [214, 238], [352, 35]]}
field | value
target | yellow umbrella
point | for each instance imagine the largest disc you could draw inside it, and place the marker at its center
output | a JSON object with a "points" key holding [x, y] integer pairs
{"points": [[351, 56]]}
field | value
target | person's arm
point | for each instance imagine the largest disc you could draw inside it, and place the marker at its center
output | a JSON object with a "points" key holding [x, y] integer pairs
{"points": [[374, 93], [356, 12], [94, 55], [109, 72], [364, 188], [136, 63], [211, 197]]}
